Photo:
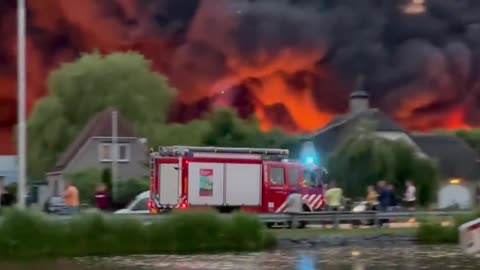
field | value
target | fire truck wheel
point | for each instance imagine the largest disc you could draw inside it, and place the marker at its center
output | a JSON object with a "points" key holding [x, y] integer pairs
{"points": [[303, 224], [270, 225], [166, 211]]}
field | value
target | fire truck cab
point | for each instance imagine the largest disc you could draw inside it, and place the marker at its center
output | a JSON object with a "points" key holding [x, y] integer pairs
{"points": [[227, 179]]}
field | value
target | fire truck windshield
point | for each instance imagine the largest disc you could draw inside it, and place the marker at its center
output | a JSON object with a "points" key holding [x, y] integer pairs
{"points": [[310, 178]]}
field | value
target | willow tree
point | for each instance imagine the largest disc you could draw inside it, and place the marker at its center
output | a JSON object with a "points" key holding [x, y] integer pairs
{"points": [[227, 129], [365, 158]]}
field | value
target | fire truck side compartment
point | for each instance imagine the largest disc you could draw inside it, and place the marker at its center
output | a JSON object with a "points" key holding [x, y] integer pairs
{"points": [[217, 178], [243, 184], [169, 184]]}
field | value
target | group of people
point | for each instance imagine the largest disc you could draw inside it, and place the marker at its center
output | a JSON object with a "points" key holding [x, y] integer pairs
{"points": [[384, 198], [71, 199]]}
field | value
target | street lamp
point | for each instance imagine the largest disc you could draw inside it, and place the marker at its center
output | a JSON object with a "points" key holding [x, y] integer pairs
{"points": [[115, 152], [21, 84]]}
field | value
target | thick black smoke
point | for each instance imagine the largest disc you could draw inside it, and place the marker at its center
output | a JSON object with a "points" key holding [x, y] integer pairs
{"points": [[421, 64]]}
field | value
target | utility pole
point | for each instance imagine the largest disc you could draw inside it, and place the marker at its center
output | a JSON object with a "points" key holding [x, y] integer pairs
{"points": [[114, 151], [21, 83]]}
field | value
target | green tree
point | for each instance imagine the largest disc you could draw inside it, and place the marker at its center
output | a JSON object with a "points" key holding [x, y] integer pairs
{"points": [[126, 191], [228, 130], [107, 179], [87, 86], [365, 158], [192, 133]]}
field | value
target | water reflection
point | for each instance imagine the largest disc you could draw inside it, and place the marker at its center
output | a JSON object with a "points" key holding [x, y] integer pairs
{"points": [[347, 258], [306, 262]]}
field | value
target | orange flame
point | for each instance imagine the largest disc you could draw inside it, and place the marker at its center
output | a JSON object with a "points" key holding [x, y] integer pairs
{"points": [[456, 120]]}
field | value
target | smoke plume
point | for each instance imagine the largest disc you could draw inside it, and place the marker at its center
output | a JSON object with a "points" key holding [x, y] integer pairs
{"points": [[290, 62]]}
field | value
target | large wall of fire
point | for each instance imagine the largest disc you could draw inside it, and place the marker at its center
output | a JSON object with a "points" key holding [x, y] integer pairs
{"points": [[290, 62]]}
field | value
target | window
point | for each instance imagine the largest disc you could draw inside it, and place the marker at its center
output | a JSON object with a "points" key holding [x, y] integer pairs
{"points": [[293, 173], [277, 176], [105, 152], [123, 153], [141, 205]]}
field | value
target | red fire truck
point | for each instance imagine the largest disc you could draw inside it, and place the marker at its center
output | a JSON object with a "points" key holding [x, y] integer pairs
{"points": [[228, 179]]}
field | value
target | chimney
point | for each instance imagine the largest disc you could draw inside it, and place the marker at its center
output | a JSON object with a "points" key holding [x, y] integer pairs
{"points": [[359, 99]]}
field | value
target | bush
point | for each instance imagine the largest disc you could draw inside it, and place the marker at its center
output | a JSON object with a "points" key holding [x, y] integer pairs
{"points": [[435, 233], [128, 190], [107, 178], [29, 235]]}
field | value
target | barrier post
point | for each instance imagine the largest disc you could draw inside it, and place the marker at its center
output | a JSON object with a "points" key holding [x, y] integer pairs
{"points": [[376, 219], [293, 221], [335, 220]]}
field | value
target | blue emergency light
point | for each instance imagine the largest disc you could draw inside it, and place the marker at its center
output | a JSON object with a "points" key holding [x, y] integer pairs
{"points": [[308, 154], [309, 160]]}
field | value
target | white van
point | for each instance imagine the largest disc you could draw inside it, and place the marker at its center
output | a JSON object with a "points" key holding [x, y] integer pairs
{"points": [[138, 206]]}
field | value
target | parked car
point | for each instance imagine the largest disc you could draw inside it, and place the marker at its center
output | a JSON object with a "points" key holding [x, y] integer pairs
{"points": [[139, 205], [56, 206]]}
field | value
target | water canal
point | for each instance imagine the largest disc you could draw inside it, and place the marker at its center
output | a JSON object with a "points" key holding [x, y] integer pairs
{"points": [[343, 258]]}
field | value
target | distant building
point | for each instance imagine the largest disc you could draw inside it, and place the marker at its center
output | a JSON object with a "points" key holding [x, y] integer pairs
{"points": [[92, 149], [458, 163], [8, 169]]}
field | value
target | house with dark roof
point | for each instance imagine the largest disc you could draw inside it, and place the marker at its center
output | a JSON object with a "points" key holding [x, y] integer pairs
{"points": [[93, 149], [337, 131], [458, 163]]}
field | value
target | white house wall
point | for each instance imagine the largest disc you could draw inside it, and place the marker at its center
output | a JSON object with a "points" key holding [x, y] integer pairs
{"points": [[469, 185], [87, 158]]}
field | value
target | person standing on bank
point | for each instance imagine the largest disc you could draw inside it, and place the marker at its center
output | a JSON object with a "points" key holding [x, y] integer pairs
{"points": [[294, 205], [102, 198], [71, 198], [410, 197], [372, 198], [383, 200], [333, 197]]}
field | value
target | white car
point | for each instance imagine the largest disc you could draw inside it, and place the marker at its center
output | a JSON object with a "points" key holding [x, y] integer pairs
{"points": [[138, 206]]}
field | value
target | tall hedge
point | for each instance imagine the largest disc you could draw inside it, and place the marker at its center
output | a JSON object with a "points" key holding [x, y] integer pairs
{"points": [[28, 235]]}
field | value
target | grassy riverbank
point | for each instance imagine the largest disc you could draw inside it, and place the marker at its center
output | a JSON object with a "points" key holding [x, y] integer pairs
{"points": [[28, 235], [434, 232]]}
